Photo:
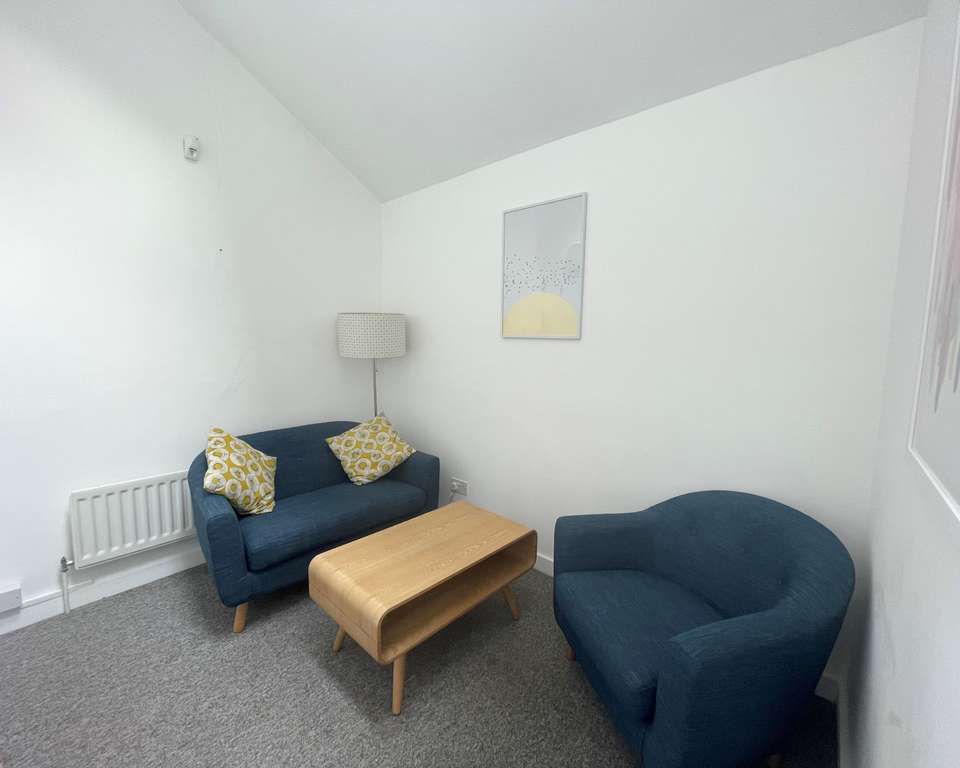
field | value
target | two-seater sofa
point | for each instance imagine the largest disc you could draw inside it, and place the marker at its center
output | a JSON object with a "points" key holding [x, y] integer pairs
{"points": [[317, 508]]}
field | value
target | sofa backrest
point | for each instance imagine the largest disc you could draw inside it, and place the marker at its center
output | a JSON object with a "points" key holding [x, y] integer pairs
{"points": [[745, 553], [304, 460]]}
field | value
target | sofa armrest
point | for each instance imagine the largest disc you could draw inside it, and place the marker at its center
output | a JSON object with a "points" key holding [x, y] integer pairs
{"points": [[423, 471], [736, 687], [598, 542], [219, 533]]}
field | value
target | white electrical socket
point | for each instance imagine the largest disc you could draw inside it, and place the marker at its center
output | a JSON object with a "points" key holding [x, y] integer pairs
{"points": [[458, 486], [9, 597]]}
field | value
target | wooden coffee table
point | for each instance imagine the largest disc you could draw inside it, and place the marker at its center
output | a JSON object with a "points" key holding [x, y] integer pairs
{"points": [[393, 589]]}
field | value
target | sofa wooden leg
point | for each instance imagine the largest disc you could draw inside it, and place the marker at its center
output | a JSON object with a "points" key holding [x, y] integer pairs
{"points": [[240, 618], [775, 761], [570, 654], [338, 640]]}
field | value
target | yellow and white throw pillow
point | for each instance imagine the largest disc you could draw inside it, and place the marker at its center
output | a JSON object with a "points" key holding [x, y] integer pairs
{"points": [[240, 472], [370, 450]]}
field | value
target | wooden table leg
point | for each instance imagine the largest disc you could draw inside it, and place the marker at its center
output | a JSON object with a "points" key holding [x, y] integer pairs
{"points": [[399, 672], [511, 601], [338, 640]]}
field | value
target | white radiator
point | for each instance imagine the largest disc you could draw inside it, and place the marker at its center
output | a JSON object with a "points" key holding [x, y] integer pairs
{"points": [[125, 518]]}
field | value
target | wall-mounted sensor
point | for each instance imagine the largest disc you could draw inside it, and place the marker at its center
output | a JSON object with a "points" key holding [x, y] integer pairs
{"points": [[191, 147]]}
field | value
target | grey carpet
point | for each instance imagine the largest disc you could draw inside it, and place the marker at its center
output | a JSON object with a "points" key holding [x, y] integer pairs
{"points": [[154, 677]]}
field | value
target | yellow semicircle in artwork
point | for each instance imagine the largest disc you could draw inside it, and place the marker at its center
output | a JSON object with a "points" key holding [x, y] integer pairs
{"points": [[541, 314]]}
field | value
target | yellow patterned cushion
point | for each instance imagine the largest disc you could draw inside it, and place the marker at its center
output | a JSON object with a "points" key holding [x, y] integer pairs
{"points": [[240, 472], [370, 450]]}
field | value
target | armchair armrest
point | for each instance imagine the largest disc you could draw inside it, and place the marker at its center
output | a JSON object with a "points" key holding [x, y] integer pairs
{"points": [[219, 533], [598, 542], [736, 686], [423, 471]]}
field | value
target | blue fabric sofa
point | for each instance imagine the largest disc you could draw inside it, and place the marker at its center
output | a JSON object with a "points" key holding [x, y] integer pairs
{"points": [[703, 623], [317, 508]]}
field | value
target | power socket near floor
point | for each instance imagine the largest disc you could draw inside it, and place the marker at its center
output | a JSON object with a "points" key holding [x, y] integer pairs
{"points": [[459, 487]]}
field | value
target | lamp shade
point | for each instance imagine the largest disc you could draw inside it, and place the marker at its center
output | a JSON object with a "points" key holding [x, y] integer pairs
{"points": [[371, 334]]}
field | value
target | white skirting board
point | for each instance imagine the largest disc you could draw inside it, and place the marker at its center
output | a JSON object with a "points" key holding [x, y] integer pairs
{"points": [[832, 688], [86, 587], [544, 564], [844, 745]]}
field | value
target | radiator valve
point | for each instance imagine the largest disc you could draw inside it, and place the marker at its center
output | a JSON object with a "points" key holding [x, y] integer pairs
{"points": [[65, 582]]}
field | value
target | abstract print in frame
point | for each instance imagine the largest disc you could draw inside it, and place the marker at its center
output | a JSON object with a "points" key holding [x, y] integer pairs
{"points": [[935, 436], [543, 251]]}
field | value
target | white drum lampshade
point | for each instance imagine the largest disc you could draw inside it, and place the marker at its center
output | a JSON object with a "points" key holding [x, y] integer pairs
{"points": [[371, 336]]}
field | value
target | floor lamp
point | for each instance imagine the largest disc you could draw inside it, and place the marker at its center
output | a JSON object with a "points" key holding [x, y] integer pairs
{"points": [[371, 336]]}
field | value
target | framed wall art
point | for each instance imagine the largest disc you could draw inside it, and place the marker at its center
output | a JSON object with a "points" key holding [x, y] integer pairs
{"points": [[935, 432], [543, 254]]}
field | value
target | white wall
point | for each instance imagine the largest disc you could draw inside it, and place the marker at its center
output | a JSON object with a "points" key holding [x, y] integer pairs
{"points": [[741, 250], [905, 685], [143, 297]]}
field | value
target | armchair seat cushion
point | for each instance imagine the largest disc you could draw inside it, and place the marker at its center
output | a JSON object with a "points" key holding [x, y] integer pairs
{"points": [[617, 622], [318, 519]]}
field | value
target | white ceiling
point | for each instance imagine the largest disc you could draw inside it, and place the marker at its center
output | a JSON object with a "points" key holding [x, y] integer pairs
{"points": [[409, 93]]}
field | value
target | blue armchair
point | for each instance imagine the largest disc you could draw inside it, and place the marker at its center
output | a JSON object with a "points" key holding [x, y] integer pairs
{"points": [[317, 508], [703, 623]]}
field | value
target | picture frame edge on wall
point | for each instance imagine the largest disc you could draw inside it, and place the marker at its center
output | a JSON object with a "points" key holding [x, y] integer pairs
{"points": [[503, 267], [951, 147]]}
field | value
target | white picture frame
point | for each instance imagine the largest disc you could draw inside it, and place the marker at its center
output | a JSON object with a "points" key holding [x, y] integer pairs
{"points": [[542, 263], [936, 411]]}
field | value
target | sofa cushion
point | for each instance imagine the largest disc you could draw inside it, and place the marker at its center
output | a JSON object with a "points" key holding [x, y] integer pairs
{"points": [[370, 450], [319, 519], [619, 621], [239, 472]]}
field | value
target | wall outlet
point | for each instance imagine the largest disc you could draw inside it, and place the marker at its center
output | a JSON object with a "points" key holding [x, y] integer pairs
{"points": [[9, 597], [459, 487]]}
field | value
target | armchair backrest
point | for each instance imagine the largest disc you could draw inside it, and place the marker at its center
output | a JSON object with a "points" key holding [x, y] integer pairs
{"points": [[746, 553], [304, 460]]}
